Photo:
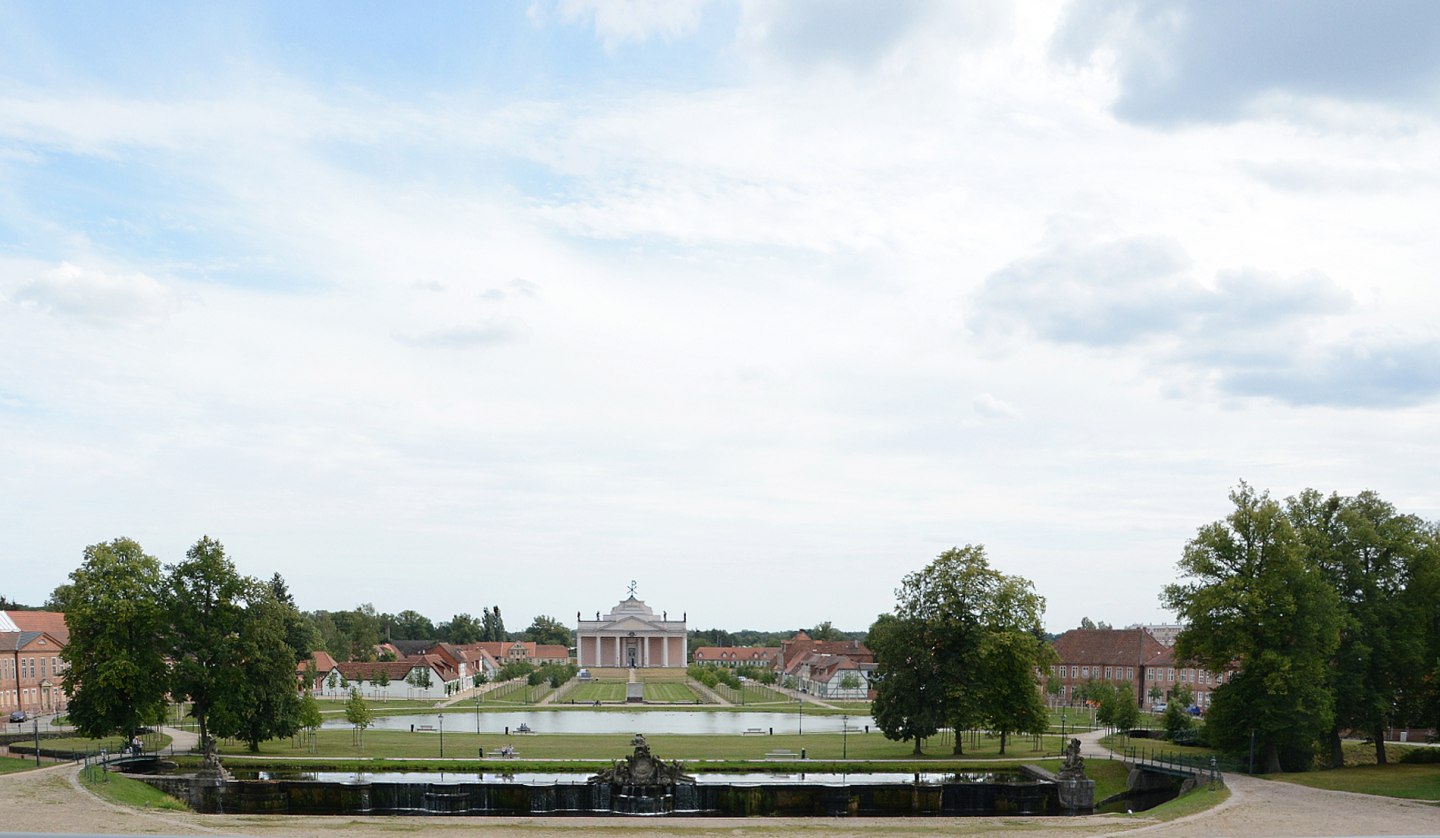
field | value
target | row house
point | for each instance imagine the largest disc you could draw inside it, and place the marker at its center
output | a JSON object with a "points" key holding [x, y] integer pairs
{"points": [[314, 672], [762, 657], [833, 676], [396, 679], [1116, 656], [30, 665], [1130, 656], [470, 659], [537, 654], [30, 673], [802, 645]]}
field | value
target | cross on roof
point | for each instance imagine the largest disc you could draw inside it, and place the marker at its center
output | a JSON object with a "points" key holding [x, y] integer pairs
{"points": [[632, 588]]}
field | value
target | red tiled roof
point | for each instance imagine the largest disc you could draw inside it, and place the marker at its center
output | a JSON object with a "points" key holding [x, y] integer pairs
{"points": [[50, 622], [1115, 647], [322, 659], [370, 670]]}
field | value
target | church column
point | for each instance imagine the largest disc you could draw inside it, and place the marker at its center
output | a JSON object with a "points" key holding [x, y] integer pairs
{"points": [[665, 651], [617, 651]]}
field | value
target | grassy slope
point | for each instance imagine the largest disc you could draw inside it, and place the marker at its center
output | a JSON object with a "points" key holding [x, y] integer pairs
{"points": [[1412, 782], [9, 765], [120, 789]]}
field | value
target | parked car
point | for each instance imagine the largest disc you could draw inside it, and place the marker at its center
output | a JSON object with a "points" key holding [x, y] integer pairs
{"points": [[18, 716], [1159, 707]]}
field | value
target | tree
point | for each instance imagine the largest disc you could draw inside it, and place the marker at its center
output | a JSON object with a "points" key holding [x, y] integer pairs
{"points": [[116, 672], [382, 679], [1177, 719], [1369, 553], [492, 627], [849, 682], [206, 607], [549, 631], [265, 706], [826, 631], [462, 629], [909, 702], [962, 649], [412, 625], [334, 680], [300, 634], [358, 714], [1156, 693], [1253, 603]]}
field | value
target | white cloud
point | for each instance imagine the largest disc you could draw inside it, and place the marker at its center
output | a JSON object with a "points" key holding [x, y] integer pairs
{"points": [[990, 407], [98, 298], [618, 22]]}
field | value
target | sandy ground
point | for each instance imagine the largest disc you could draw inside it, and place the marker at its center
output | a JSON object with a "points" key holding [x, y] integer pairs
{"points": [[51, 800]]}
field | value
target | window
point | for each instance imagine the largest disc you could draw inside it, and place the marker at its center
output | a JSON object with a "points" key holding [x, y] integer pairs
{"points": [[1108, 674], [1129, 673], [1074, 672], [1084, 672], [1170, 673]]}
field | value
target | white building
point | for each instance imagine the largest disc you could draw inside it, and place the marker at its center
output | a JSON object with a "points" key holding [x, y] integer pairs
{"points": [[631, 636]]}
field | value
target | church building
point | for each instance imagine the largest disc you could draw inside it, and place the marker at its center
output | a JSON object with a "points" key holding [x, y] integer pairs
{"points": [[630, 636]]}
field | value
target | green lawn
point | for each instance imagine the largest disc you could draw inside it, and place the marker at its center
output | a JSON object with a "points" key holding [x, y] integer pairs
{"points": [[597, 691], [110, 744], [9, 765], [1412, 782], [120, 789], [758, 695], [673, 692]]}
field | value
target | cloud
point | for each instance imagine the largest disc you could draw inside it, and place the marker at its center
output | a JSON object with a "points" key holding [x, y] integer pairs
{"points": [[96, 297], [618, 22], [494, 333], [1182, 61], [1098, 295], [991, 407], [1396, 375], [1252, 333]]}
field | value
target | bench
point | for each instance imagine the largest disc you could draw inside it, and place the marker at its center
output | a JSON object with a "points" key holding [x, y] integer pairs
{"points": [[753, 731], [781, 754], [430, 728], [501, 754]]}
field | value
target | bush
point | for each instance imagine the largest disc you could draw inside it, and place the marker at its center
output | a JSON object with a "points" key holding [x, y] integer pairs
{"points": [[1421, 756]]}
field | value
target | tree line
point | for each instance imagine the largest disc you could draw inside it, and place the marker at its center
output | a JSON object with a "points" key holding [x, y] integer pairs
{"points": [[1327, 608], [196, 631]]}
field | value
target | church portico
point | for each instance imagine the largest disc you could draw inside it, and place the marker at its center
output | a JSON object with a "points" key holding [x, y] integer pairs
{"points": [[631, 636]]}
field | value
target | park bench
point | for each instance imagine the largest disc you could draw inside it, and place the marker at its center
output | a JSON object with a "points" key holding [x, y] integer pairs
{"points": [[781, 754], [430, 728], [502, 754], [753, 731]]}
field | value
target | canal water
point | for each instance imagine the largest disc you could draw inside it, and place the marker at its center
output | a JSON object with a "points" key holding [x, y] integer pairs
{"points": [[578, 778], [607, 721]]}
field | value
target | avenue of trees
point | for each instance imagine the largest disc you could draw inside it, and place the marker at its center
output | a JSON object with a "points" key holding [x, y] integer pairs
{"points": [[1327, 608], [196, 631], [961, 650]]}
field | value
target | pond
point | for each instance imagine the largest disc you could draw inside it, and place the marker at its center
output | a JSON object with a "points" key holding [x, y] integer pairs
{"points": [[606, 721]]}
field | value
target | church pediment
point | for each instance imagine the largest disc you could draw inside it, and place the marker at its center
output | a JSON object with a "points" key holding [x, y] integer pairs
{"points": [[631, 624]]}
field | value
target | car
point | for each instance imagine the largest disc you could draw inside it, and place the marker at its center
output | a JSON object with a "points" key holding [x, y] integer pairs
{"points": [[1159, 707], [18, 716]]}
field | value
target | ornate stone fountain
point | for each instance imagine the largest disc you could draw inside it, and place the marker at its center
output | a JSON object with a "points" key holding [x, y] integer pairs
{"points": [[640, 784]]}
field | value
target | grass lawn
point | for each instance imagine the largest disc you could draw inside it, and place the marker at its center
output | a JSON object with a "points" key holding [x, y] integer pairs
{"points": [[120, 789], [336, 744], [9, 765], [1121, 744], [111, 744], [336, 703], [602, 691], [675, 692], [1412, 782], [755, 694]]}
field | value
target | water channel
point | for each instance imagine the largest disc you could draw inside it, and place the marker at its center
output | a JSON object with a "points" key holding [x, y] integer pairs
{"points": [[439, 778], [619, 721]]}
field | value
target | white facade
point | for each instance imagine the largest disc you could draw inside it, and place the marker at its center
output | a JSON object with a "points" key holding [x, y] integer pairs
{"points": [[631, 636]]}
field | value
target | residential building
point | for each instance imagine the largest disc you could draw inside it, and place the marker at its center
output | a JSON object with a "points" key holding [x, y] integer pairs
{"points": [[30, 672], [1117, 656], [764, 657]]}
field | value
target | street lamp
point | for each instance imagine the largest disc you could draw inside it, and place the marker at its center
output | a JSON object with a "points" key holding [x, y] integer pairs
{"points": [[844, 737], [442, 735]]}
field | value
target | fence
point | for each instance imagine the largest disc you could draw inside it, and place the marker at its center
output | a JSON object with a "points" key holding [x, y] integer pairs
{"points": [[1202, 768]]}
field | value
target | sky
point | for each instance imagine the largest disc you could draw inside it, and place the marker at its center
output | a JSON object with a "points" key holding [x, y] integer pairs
{"points": [[761, 305]]}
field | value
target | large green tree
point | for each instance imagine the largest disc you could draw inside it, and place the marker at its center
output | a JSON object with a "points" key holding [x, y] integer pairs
{"points": [[1371, 555], [461, 629], [412, 625], [116, 675], [207, 615], [1252, 601], [961, 650], [267, 705], [548, 630]]}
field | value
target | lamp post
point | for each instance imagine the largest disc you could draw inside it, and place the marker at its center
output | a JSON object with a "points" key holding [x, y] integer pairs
{"points": [[442, 735], [844, 737], [477, 714], [800, 712]]}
